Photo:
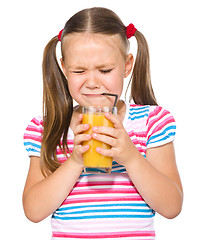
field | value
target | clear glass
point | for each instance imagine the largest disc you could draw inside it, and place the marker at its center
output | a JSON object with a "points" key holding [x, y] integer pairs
{"points": [[95, 162]]}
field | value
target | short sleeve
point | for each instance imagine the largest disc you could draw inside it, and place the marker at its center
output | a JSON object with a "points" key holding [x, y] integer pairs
{"points": [[161, 127], [33, 137]]}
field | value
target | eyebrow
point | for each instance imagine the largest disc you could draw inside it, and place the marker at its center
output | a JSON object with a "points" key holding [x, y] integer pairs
{"points": [[106, 65], [98, 66]]}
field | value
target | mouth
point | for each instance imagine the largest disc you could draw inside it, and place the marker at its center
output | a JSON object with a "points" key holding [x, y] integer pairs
{"points": [[93, 95], [95, 99]]}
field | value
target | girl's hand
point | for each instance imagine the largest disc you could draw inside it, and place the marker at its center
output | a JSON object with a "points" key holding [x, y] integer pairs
{"points": [[149, 176], [122, 148], [78, 149]]}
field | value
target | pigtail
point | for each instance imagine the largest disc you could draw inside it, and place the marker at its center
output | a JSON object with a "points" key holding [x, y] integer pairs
{"points": [[141, 88], [57, 109]]}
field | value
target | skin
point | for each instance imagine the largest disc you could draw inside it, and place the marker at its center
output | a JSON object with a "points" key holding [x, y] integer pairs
{"points": [[93, 64]]}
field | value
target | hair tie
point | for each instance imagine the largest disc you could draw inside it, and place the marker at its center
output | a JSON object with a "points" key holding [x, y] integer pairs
{"points": [[60, 34], [130, 30]]}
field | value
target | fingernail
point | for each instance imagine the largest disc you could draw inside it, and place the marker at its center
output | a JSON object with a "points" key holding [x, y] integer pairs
{"points": [[94, 128], [86, 146], [94, 135], [98, 149]]}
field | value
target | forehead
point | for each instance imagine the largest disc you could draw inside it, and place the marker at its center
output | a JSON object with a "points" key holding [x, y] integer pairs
{"points": [[92, 46]]}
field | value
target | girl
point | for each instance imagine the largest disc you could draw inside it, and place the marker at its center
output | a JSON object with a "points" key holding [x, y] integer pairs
{"points": [[144, 178]]}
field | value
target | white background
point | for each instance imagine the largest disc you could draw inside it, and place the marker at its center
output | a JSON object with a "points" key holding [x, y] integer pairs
{"points": [[172, 29]]}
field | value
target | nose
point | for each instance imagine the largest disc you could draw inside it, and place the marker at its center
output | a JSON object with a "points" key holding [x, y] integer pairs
{"points": [[92, 81]]}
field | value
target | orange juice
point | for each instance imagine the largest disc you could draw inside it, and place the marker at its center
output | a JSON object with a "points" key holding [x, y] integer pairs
{"points": [[92, 159]]}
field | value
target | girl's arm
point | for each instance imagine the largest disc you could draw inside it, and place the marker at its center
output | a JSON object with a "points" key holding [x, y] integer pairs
{"points": [[42, 196], [156, 178]]}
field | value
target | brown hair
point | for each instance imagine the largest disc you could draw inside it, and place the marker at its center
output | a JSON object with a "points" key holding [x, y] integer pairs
{"points": [[57, 101]]}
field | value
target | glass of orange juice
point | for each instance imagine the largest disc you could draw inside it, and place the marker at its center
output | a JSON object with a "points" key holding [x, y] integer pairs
{"points": [[94, 162]]}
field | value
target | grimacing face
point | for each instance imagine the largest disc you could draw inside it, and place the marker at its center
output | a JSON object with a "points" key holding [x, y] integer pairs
{"points": [[94, 64]]}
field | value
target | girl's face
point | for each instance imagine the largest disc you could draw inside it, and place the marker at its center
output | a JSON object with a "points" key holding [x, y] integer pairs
{"points": [[94, 64]]}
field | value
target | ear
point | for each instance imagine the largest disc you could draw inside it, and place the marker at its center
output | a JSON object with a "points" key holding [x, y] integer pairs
{"points": [[63, 66], [128, 64]]}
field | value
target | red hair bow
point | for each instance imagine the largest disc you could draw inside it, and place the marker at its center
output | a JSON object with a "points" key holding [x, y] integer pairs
{"points": [[130, 30], [59, 36]]}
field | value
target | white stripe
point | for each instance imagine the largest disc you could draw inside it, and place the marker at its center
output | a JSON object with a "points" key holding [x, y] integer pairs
{"points": [[106, 225]]}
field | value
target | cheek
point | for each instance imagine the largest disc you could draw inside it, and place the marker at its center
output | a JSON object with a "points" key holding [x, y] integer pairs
{"points": [[118, 79], [72, 86], [114, 85]]}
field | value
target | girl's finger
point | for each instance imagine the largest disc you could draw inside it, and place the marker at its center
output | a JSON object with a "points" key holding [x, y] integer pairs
{"points": [[81, 149], [78, 119], [105, 139], [81, 137], [81, 128], [114, 119], [105, 152], [106, 131]]}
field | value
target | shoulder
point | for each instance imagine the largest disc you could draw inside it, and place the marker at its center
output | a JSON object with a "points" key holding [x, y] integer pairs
{"points": [[155, 123], [148, 112], [37, 121], [161, 127], [159, 116], [33, 136], [35, 125]]}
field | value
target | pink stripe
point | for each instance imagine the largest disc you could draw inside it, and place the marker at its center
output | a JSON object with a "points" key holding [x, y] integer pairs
{"points": [[137, 134], [70, 142], [136, 105], [136, 141], [155, 112], [141, 150], [37, 122], [32, 137], [102, 199], [103, 191], [62, 160], [105, 235], [34, 129], [152, 122], [113, 183]]}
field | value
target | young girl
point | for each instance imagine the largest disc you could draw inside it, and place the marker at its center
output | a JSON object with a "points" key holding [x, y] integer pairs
{"points": [[144, 177]]}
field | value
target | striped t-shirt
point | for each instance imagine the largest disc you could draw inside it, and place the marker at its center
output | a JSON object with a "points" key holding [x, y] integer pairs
{"points": [[108, 206]]}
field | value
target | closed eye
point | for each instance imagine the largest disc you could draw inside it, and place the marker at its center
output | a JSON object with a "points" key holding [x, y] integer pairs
{"points": [[78, 72], [105, 70]]}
